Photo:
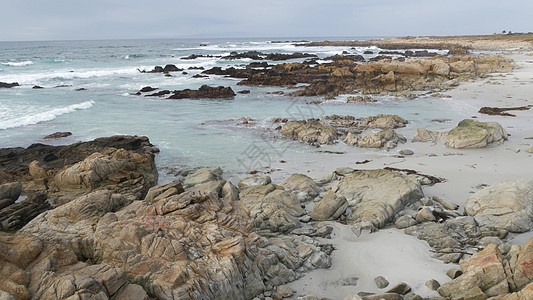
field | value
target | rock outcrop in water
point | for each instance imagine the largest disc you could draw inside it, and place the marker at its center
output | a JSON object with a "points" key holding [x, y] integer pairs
{"points": [[8, 85], [347, 75], [54, 175], [204, 92]]}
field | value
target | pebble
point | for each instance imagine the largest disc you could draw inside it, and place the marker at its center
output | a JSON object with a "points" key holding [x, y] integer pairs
{"points": [[452, 153], [454, 273], [433, 284], [381, 282], [529, 150], [406, 152], [401, 288]]}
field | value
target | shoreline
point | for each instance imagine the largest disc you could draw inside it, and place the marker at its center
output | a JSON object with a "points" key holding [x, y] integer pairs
{"points": [[228, 229]]}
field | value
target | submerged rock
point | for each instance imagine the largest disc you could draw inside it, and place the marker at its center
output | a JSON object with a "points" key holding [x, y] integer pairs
{"points": [[58, 135], [474, 134], [311, 131], [8, 85], [204, 92]]}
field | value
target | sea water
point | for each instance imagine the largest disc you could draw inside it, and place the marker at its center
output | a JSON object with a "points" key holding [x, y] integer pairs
{"points": [[190, 133]]}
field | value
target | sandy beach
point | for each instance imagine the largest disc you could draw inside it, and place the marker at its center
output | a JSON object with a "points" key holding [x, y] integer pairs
{"points": [[403, 258]]}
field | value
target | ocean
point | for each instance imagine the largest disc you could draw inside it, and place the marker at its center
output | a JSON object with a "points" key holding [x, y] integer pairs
{"points": [[88, 89]]}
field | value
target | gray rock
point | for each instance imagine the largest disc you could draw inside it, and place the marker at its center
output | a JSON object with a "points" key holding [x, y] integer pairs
{"points": [[445, 203], [386, 296], [381, 282], [375, 196], [254, 180], [425, 215], [302, 186], [474, 134], [405, 221], [201, 176], [133, 292], [406, 152], [432, 284], [401, 288], [506, 205], [10, 190], [454, 273]]}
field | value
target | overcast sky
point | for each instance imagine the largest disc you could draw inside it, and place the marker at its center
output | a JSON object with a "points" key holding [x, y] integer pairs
{"points": [[130, 19]]}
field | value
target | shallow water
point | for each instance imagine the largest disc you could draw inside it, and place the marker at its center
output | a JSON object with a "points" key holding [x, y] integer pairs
{"points": [[188, 132]]}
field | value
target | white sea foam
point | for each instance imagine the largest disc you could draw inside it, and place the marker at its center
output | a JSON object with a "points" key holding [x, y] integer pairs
{"points": [[44, 116], [18, 63], [36, 78]]}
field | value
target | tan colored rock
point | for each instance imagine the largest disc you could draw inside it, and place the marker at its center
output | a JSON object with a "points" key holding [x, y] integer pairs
{"points": [[329, 208], [424, 135], [163, 191], [474, 134], [506, 205], [132, 292], [202, 175], [375, 196], [523, 266], [485, 271], [302, 186], [254, 180]]}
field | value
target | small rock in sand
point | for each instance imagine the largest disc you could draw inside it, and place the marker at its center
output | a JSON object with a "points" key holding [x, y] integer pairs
{"points": [[529, 150], [454, 273], [381, 282], [401, 288], [406, 152], [433, 284], [284, 291]]}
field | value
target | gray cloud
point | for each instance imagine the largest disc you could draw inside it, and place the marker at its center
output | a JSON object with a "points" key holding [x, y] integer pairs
{"points": [[111, 19]]}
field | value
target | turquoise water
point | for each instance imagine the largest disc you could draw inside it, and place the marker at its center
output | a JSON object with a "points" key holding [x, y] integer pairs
{"points": [[188, 132]]}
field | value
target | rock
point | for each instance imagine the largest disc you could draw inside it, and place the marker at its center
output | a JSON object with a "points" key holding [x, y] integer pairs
{"points": [[474, 134], [529, 150], [302, 186], [15, 215], [500, 111], [202, 175], [424, 135], [254, 180], [159, 192], [204, 92], [524, 294], [309, 132], [432, 284], [168, 68], [132, 292], [454, 273], [405, 221], [413, 296], [272, 207], [8, 85], [284, 291], [484, 272], [445, 203], [505, 205], [521, 265], [10, 190], [147, 89], [406, 152], [376, 196], [425, 214], [57, 135], [365, 99], [387, 138], [386, 296], [381, 282], [329, 208], [401, 288]]}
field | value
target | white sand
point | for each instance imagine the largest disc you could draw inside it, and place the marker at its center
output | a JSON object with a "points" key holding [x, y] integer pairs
{"points": [[399, 257]]}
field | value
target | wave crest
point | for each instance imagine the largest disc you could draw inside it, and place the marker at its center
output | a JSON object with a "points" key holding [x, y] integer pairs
{"points": [[45, 116], [18, 63]]}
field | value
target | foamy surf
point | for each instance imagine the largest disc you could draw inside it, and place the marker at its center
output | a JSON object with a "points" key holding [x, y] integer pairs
{"points": [[18, 63], [44, 116]]}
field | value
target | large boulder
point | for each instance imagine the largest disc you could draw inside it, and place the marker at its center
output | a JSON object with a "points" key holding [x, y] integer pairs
{"points": [[302, 186], [272, 207], [311, 132], [375, 196], [386, 138], [474, 134], [506, 205]]}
